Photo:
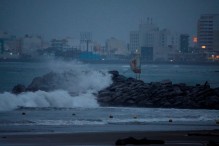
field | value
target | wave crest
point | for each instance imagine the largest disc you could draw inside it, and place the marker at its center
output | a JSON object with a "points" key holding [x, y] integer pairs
{"points": [[71, 86]]}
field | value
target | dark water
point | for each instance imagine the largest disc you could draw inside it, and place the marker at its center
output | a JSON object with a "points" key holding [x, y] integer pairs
{"points": [[13, 73], [59, 111], [98, 119]]}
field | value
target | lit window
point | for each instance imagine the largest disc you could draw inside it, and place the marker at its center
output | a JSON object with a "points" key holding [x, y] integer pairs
{"points": [[203, 47], [195, 39]]}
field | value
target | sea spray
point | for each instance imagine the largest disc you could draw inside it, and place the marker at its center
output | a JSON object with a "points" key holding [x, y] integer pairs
{"points": [[73, 77], [58, 98], [75, 85]]}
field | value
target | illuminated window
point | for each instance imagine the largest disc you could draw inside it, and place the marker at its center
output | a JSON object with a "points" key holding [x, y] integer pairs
{"points": [[203, 47], [195, 39]]}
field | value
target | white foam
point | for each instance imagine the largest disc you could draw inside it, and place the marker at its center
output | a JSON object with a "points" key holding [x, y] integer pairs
{"points": [[57, 98], [68, 122], [75, 78], [80, 77]]}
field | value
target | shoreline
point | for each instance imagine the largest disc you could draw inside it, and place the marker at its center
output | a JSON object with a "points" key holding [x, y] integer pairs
{"points": [[187, 138]]}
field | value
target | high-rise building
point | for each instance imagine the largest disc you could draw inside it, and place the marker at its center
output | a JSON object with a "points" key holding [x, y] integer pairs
{"points": [[134, 41], [155, 44], [116, 47], [208, 32], [184, 43], [86, 41], [146, 39]]}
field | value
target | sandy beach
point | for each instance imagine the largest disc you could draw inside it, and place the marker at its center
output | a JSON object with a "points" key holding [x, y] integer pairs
{"points": [[171, 138]]}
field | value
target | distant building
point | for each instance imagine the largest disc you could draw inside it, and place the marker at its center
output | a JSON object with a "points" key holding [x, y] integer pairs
{"points": [[73, 43], [30, 44], [208, 32], [65, 44], [10, 46], [86, 42], [4, 37], [184, 43], [155, 44], [134, 41], [59, 44], [116, 47], [166, 43], [147, 54], [146, 39], [98, 49]]}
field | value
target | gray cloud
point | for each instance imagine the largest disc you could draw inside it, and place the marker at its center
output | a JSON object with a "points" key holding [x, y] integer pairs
{"points": [[105, 18]]}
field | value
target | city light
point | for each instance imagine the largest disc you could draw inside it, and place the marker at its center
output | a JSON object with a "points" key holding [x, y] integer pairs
{"points": [[195, 39], [203, 47]]}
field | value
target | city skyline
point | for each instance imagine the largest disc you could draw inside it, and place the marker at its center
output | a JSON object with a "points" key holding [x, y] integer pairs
{"points": [[104, 18]]}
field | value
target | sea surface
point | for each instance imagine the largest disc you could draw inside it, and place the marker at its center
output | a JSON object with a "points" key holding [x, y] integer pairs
{"points": [[12, 73], [59, 111]]}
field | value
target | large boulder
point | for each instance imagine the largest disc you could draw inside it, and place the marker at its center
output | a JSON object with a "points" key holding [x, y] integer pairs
{"points": [[48, 82], [18, 89]]}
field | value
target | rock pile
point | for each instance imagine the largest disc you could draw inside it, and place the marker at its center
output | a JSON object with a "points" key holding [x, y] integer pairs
{"points": [[131, 92], [126, 91]]}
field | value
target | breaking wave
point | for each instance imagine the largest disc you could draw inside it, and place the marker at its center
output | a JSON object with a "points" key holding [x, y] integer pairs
{"points": [[57, 98], [78, 85]]}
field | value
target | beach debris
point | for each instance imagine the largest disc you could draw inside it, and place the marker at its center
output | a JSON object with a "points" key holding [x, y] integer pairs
{"points": [[110, 116], [134, 141]]}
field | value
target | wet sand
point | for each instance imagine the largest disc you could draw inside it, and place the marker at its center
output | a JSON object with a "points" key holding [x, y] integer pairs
{"points": [[171, 138]]}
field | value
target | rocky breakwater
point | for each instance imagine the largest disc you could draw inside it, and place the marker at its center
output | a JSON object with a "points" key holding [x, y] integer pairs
{"points": [[126, 91]]}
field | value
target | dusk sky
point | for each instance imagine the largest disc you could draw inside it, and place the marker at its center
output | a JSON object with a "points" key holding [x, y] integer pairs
{"points": [[104, 18]]}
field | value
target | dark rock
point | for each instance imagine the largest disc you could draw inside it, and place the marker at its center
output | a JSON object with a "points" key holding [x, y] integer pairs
{"points": [[134, 141], [114, 72], [212, 102], [166, 82], [131, 92], [216, 90], [110, 116], [18, 89], [47, 82]]}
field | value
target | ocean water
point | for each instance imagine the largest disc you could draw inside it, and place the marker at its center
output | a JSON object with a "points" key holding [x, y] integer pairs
{"points": [[60, 109], [12, 73]]}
